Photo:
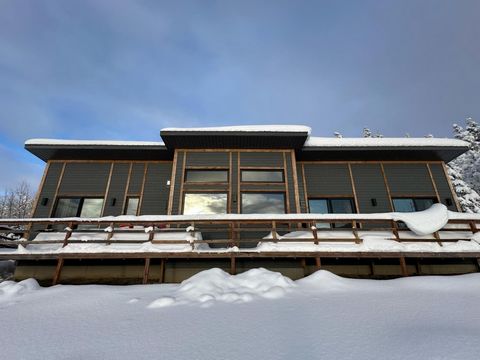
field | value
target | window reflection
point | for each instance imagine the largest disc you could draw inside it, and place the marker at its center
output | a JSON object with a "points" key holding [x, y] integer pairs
{"points": [[205, 203], [263, 203]]}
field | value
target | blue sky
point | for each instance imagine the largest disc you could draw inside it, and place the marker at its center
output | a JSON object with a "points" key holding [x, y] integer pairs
{"points": [[125, 69]]}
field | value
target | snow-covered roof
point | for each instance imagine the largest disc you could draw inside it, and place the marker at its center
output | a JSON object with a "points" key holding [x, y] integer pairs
{"points": [[245, 128], [314, 141], [92, 142]]}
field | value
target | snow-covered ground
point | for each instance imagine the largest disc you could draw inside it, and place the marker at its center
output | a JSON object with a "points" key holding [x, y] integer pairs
{"points": [[254, 315]]}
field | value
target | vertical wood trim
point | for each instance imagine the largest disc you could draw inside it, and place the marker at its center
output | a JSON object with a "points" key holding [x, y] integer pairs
{"points": [[146, 271], [58, 271], [124, 202], [452, 189], [295, 181], [39, 190], [60, 178], [389, 194], [239, 176], [307, 208], [107, 188], [433, 183], [162, 271], [230, 174], [353, 188], [172, 182], [140, 201], [285, 174], [180, 201]]}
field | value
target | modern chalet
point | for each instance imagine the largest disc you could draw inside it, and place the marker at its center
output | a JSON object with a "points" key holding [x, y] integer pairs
{"points": [[242, 197]]}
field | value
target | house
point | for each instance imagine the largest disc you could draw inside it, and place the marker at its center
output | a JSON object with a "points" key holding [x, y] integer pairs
{"points": [[241, 197]]}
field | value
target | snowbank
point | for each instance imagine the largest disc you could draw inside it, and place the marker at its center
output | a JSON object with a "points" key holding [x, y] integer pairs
{"points": [[11, 289], [213, 285], [425, 222]]}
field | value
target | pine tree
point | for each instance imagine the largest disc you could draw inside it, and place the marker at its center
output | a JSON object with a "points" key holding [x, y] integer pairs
{"points": [[468, 198], [367, 133]]}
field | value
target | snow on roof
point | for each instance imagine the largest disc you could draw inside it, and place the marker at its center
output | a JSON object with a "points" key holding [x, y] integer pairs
{"points": [[314, 141], [246, 128], [92, 142]]}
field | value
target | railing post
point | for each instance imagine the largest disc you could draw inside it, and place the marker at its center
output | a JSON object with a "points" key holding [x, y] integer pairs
{"points": [[68, 233], [26, 234], [403, 266], [58, 271], [473, 226], [233, 266], [274, 231], [436, 235], [110, 233], [314, 233], [395, 229], [355, 232]]}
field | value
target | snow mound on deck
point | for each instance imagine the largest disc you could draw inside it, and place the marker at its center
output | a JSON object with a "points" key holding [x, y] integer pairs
{"points": [[425, 222], [10, 289], [210, 286]]}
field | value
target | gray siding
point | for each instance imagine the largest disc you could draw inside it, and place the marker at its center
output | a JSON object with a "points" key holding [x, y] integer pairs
{"points": [[207, 159], [234, 179], [156, 191], [443, 187], [136, 179], [178, 183], [369, 184], [301, 189], [261, 159], [328, 180], [118, 184], [409, 179], [85, 178], [48, 190]]}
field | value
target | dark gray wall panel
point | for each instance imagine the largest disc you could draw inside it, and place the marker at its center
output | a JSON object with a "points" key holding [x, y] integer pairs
{"points": [[261, 159], [207, 159], [85, 178], [178, 183], [369, 184], [118, 184], [328, 179], [234, 180], [301, 189], [443, 187], [48, 190], [136, 178], [156, 191], [409, 179]]}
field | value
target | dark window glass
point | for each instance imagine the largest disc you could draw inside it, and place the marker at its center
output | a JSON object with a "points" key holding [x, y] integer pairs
{"points": [[263, 203], [205, 203], [91, 208], [262, 175], [412, 204], [132, 206], [331, 206], [67, 207], [206, 176]]}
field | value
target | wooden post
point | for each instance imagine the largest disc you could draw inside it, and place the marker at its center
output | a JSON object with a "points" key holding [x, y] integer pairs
{"points": [[58, 271], [146, 271], [372, 268], [303, 264], [403, 266], [473, 226], [26, 234], [162, 271], [395, 229], [436, 235], [233, 266], [318, 262], [355, 232], [274, 231], [110, 234], [315, 234], [68, 234]]}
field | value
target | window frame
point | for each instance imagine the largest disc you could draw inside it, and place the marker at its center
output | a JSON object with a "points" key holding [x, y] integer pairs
{"points": [[206, 169], [413, 198], [80, 205], [329, 207], [285, 210], [126, 204], [185, 193], [279, 170]]}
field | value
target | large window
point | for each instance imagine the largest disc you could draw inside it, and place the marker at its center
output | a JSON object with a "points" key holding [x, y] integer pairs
{"points": [[206, 176], [331, 206], [412, 204], [263, 203], [262, 176], [79, 207], [204, 203]]}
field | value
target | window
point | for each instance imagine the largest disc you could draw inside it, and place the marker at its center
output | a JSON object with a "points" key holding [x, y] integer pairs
{"points": [[412, 204], [79, 207], [206, 176], [263, 203], [131, 206], [204, 203], [262, 175], [331, 206]]}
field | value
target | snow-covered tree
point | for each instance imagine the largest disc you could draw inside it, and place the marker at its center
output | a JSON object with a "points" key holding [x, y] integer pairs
{"points": [[17, 202], [338, 135], [367, 133], [468, 198]]}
